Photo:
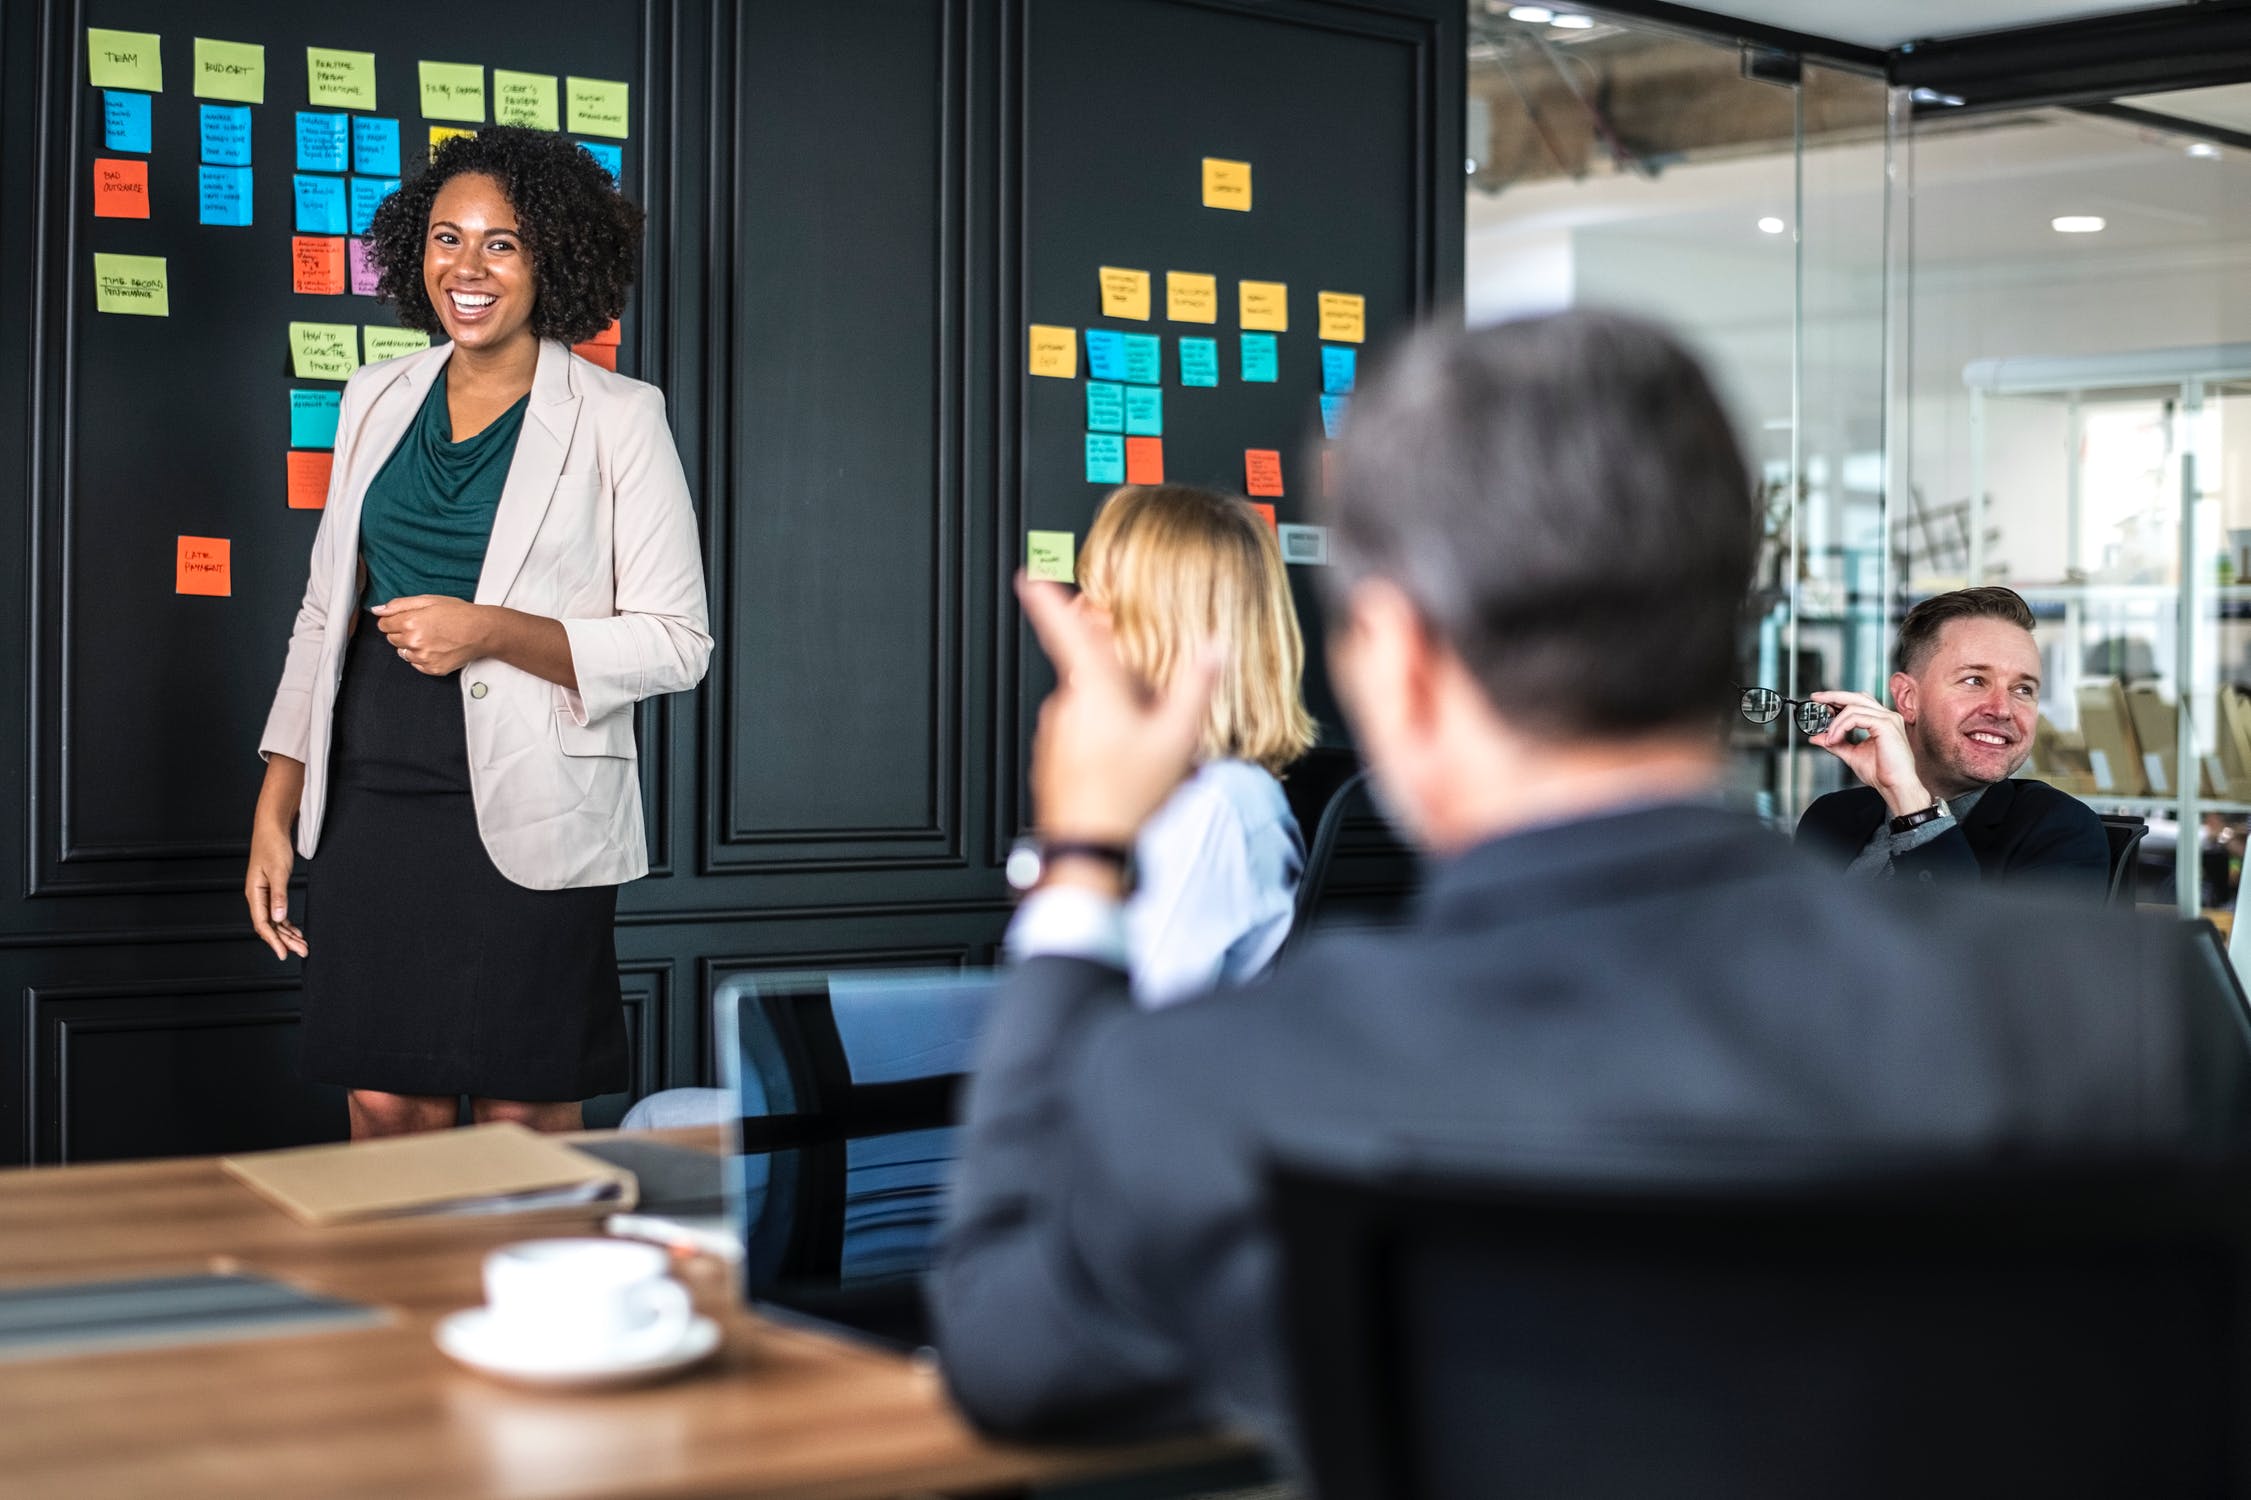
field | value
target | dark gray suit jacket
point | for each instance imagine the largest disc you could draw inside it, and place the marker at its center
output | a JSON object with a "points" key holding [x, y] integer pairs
{"points": [[1656, 976]]}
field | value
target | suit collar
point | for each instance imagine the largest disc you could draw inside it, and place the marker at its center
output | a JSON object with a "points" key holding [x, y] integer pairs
{"points": [[541, 445]]}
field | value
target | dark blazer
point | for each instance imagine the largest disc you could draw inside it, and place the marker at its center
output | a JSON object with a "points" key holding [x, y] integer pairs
{"points": [[2018, 831], [1642, 978]]}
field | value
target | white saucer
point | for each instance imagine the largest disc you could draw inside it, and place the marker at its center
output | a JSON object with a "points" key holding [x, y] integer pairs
{"points": [[467, 1339]]}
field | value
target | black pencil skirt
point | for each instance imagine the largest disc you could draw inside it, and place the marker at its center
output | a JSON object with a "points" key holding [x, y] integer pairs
{"points": [[431, 972]]}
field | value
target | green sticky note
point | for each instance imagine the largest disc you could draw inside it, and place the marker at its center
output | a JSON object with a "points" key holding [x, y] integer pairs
{"points": [[324, 351], [234, 71], [1049, 556], [526, 99], [597, 107], [340, 80], [124, 60], [132, 284], [1144, 411], [453, 91], [389, 343]]}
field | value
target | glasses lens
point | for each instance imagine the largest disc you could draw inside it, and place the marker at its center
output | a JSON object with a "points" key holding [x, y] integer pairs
{"points": [[1814, 717], [1760, 705]]}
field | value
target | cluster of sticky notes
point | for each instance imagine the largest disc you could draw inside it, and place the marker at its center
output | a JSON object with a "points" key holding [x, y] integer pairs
{"points": [[1051, 556], [324, 351], [121, 188], [132, 284], [204, 565], [223, 192], [308, 479]]}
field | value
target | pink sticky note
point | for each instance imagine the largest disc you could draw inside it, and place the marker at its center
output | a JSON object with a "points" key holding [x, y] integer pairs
{"points": [[363, 269]]}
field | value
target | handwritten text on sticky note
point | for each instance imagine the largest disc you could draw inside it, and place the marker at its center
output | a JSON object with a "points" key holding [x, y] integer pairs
{"points": [[222, 196], [1344, 317], [1144, 460], [1054, 351], [132, 284], [1333, 409], [324, 351], [1191, 298], [598, 106], [1049, 556], [340, 80], [1339, 370], [1145, 410], [121, 188], [375, 146], [1105, 458], [453, 91], [1262, 471], [1227, 184], [1105, 406], [1125, 293], [368, 194], [225, 135], [1144, 357], [204, 565], [234, 71], [124, 60], [1261, 357], [1265, 304], [308, 480], [386, 342], [1105, 354], [1199, 361], [324, 141], [530, 99], [126, 120], [320, 205], [312, 418], [316, 265]]}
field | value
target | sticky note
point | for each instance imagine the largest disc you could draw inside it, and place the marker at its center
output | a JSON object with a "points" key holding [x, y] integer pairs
{"points": [[368, 194], [1262, 471], [360, 270], [375, 146], [308, 472], [204, 566], [612, 158], [1199, 361], [385, 342], [1339, 369], [1191, 298], [230, 70], [604, 355], [1105, 458], [1227, 184], [340, 80], [124, 60], [1050, 556], [613, 335], [1105, 354], [324, 142], [1265, 513], [132, 284], [453, 91], [225, 135], [1305, 545], [1261, 357], [121, 188], [440, 134], [1144, 460], [597, 107], [323, 351], [1125, 294], [526, 99], [1144, 357], [320, 205], [312, 418], [1144, 410], [316, 264], [1344, 317], [1332, 415], [125, 121], [222, 196], [1265, 304], [1054, 351], [1105, 406]]}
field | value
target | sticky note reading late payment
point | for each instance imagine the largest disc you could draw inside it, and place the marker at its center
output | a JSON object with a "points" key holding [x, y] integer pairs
{"points": [[1339, 370], [453, 91], [389, 343], [312, 418], [1265, 304], [125, 121], [1144, 410], [132, 284], [1344, 317], [204, 566], [320, 205], [1144, 357], [526, 99], [1105, 458], [1227, 184], [1144, 460], [340, 80], [324, 141], [1105, 354], [230, 70], [1191, 298], [1199, 361], [121, 188], [316, 264], [1050, 556], [375, 147], [124, 60], [308, 475], [360, 268], [222, 196], [324, 351], [1125, 294], [1262, 472], [1261, 357], [1105, 406], [1054, 351], [225, 135], [597, 107]]}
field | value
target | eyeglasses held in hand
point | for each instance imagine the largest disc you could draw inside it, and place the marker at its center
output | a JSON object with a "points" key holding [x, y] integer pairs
{"points": [[1764, 705]]}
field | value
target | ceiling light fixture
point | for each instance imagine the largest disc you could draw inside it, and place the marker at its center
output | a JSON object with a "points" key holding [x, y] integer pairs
{"points": [[1771, 225], [1573, 23], [2204, 151], [2077, 224], [1534, 15]]}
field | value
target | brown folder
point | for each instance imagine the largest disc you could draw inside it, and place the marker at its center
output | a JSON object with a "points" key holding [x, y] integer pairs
{"points": [[498, 1168]]}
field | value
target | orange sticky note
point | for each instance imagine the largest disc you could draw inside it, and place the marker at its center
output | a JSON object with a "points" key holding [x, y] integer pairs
{"points": [[205, 566], [1144, 460], [1267, 510], [604, 355], [1262, 471], [308, 479], [317, 263], [610, 335], [121, 189]]}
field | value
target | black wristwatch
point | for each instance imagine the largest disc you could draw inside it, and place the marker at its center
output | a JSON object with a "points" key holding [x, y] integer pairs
{"points": [[1908, 822], [1028, 859]]}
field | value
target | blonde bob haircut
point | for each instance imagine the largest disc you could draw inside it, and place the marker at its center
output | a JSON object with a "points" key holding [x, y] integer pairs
{"points": [[1175, 567]]}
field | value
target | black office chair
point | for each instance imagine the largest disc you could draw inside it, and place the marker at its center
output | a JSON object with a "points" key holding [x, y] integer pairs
{"points": [[2125, 832], [2006, 1335], [1384, 869]]}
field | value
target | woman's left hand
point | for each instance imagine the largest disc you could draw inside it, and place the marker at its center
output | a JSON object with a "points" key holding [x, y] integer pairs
{"points": [[434, 633]]}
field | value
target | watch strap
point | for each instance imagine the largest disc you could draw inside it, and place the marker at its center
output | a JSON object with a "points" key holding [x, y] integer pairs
{"points": [[1909, 822]]}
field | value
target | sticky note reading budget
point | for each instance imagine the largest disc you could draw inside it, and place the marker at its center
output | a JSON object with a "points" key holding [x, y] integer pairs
{"points": [[1105, 406], [1054, 352], [1105, 354], [1332, 415], [1125, 294], [1144, 410], [1144, 357], [1199, 361], [368, 194], [1344, 317], [1105, 459], [225, 135], [316, 264], [453, 91], [230, 70], [124, 60], [312, 418], [1339, 369], [1262, 471], [324, 351], [1191, 298], [375, 146], [597, 107], [1050, 556], [121, 188], [360, 268], [308, 480], [204, 565], [1144, 460], [222, 196], [324, 142], [612, 158], [1261, 357], [132, 284], [1265, 304], [384, 342], [125, 121], [320, 205], [340, 80], [1227, 184], [526, 99]]}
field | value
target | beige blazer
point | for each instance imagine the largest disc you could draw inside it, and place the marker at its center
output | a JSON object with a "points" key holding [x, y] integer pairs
{"points": [[595, 528]]}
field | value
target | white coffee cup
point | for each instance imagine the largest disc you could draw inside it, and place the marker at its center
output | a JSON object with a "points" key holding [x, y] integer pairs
{"points": [[585, 1300]]}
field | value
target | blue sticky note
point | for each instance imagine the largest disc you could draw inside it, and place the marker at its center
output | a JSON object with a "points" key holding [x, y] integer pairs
{"points": [[1144, 358], [1144, 411], [1105, 354], [125, 121], [1261, 360], [320, 206], [226, 135], [223, 196], [375, 146], [367, 193], [1105, 458], [312, 418], [324, 142], [1105, 406], [1339, 367], [1199, 361], [1332, 414], [612, 158]]}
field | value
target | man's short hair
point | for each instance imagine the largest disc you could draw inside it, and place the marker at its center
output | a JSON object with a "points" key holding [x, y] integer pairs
{"points": [[1563, 501], [1919, 632]]}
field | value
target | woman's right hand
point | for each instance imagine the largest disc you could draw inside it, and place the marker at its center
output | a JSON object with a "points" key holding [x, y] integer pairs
{"points": [[272, 856]]}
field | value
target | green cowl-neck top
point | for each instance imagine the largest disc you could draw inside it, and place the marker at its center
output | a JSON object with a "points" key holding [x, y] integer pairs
{"points": [[428, 515]]}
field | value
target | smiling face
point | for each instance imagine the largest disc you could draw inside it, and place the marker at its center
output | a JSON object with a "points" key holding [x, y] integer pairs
{"points": [[1971, 707], [475, 267]]}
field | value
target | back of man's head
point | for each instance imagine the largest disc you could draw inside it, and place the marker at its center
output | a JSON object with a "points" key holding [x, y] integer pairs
{"points": [[1563, 502]]}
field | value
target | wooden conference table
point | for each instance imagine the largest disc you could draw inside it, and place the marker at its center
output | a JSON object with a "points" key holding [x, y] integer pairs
{"points": [[380, 1412]]}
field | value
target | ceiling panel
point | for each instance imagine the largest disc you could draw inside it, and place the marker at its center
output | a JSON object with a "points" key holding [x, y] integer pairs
{"points": [[1884, 24]]}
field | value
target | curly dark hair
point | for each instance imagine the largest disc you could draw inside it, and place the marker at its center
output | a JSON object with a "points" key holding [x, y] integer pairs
{"points": [[583, 235]]}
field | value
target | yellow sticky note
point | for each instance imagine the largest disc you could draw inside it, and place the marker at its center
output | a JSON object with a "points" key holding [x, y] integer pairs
{"points": [[1050, 556], [340, 80], [124, 60], [453, 91], [1125, 294], [598, 106], [526, 99], [440, 134], [1266, 305], [1055, 351], [1190, 298], [1227, 184], [324, 351], [384, 342], [234, 71], [132, 284], [1344, 317]]}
